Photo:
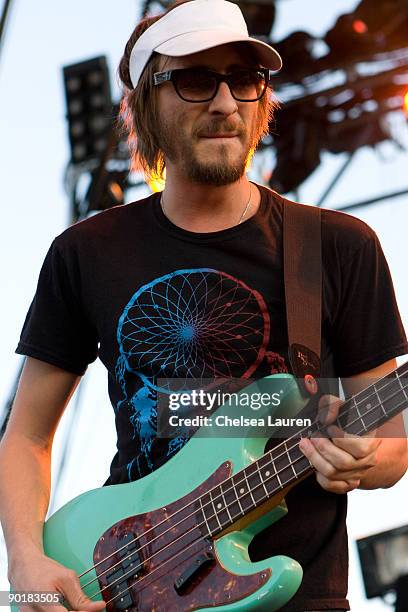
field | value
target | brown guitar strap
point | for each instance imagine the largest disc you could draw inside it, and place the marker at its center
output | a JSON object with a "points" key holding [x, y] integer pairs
{"points": [[302, 260]]}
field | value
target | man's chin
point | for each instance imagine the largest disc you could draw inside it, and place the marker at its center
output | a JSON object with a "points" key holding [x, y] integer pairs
{"points": [[222, 162], [215, 174]]}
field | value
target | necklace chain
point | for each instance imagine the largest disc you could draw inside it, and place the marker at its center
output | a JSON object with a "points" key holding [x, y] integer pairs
{"points": [[241, 217], [247, 204]]}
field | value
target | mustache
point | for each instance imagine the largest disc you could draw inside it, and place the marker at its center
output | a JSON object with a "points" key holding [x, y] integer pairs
{"points": [[217, 127]]}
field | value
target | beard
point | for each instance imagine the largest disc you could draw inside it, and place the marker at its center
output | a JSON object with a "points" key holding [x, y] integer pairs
{"points": [[227, 167]]}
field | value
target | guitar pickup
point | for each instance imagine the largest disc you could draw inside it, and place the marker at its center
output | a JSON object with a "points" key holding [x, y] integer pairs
{"points": [[192, 572], [119, 590], [129, 568]]}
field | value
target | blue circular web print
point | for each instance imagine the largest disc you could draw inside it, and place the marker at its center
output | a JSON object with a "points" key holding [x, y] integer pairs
{"points": [[193, 324]]}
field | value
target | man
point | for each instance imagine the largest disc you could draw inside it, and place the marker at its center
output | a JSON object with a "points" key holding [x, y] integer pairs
{"points": [[190, 284]]}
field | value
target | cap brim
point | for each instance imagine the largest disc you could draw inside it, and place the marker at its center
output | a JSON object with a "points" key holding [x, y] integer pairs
{"points": [[193, 42]]}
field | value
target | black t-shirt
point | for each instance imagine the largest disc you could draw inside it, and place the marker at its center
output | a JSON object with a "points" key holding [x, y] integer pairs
{"points": [[154, 301]]}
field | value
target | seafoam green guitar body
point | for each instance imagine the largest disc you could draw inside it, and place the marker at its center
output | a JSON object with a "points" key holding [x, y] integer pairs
{"points": [[230, 580]]}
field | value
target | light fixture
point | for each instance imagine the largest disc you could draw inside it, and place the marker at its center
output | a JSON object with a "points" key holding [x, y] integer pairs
{"points": [[89, 108]]}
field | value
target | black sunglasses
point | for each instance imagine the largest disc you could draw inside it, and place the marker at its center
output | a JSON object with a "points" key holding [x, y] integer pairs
{"points": [[201, 85]]}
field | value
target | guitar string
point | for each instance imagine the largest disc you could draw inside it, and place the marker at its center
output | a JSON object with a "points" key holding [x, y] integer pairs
{"points": [[223, 482], [120, 579], [240, 482], [177, 554], [197, 540], [208, 492], [169, 559]]}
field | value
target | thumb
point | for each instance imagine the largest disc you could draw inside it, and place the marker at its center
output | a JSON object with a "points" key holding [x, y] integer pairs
{"points": [[77, 598], [329, 406]]}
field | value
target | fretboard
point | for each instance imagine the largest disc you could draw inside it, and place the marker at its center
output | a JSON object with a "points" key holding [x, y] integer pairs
{"points": [[285, 463]]}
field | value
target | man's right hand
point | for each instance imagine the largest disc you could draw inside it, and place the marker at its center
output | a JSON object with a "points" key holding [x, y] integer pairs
{"points": [[35, 572]]}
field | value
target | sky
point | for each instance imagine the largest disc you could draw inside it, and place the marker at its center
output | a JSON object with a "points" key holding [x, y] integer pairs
{"points": [[40, 39]]}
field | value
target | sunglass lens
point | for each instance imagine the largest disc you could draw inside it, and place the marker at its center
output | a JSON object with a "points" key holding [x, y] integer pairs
{"points": [[247, 84], [195, 85]]}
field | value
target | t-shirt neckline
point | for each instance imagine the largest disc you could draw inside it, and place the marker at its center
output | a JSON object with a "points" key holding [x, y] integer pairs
{"points": [[217, 236]]}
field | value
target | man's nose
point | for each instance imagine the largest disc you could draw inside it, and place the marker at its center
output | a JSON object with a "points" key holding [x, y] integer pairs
{"points": [[223, 102]]}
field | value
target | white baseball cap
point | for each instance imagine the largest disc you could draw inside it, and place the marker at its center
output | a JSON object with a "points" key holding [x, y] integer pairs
{"points": [[195, 26]]}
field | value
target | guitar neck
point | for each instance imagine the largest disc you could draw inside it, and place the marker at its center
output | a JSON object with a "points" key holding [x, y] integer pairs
{"points": [[285, 464]]}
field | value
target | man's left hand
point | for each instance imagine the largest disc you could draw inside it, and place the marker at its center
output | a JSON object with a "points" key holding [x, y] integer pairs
{"points": [[342, 460]]}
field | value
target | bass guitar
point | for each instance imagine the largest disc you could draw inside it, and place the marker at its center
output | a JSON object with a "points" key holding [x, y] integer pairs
{"points": [[178, 539]]}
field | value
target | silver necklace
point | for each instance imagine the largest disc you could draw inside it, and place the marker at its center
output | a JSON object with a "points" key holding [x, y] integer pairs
{"points": [[247, 204], [241, 217]]}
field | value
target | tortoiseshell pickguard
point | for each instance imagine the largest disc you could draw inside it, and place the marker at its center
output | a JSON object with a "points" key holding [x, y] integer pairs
{"points": [[169, 544]]}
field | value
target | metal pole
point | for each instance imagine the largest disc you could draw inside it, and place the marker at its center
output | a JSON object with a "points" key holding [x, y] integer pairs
{"points": [[335, 181], [388, 196], [4, 15]]}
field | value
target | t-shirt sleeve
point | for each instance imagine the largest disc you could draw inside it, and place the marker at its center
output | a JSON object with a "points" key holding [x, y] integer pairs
{"points": [[368, 330], [56, 328]]}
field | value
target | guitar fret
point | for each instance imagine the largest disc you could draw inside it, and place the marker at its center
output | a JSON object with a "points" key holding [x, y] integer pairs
{"points": [[236, 495], [380, 401], [401, 385], [272, 474], [205, 518], [373, 416], [277, 476], [298, 459], [282, 467], [255, 483], [249, 488], [391, 396], [398, 407], [215, 510], [267, 475], [244, 494], [359, 414], [263, 483], [290, 460], [226, 506]]}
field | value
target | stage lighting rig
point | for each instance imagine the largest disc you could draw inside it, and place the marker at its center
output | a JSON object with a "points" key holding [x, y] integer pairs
{"points": [[387, 24], [99, 153], [89, 108], [343, 87], [367, 32], [336, 93]]}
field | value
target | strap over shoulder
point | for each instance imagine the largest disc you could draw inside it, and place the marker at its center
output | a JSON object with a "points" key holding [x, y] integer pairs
{"points": [[302, 260]]}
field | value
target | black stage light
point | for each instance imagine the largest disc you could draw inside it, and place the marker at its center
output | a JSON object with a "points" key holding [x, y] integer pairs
{"points": [[349, 38], [369, 30], [89, 108], [388, 23], [384, 564]]}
